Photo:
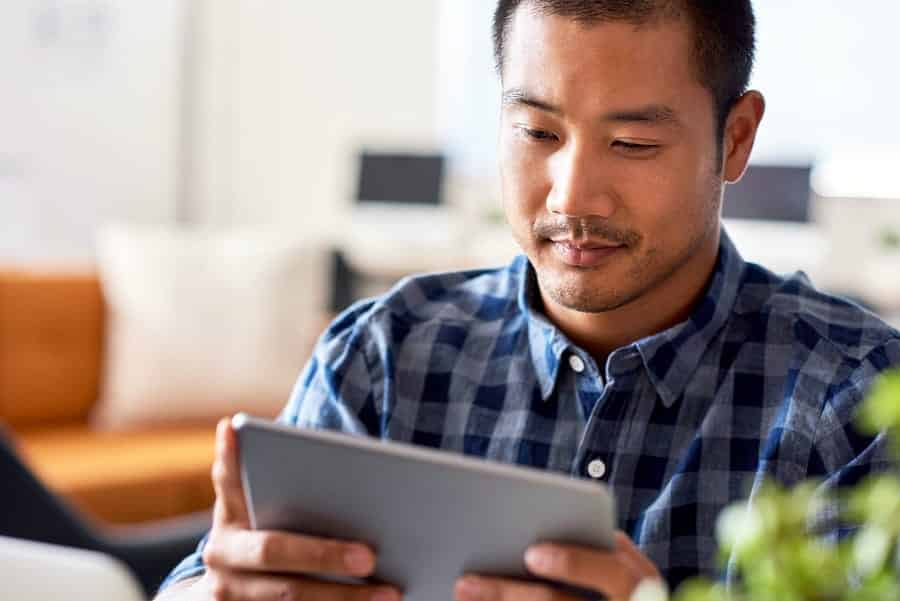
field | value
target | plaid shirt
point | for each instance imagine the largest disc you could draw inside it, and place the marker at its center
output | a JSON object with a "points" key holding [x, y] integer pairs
{"points": [[762, 381]]}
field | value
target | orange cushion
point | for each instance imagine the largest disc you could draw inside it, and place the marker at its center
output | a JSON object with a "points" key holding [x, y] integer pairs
{"points": [[51, 338], [126, 477]]}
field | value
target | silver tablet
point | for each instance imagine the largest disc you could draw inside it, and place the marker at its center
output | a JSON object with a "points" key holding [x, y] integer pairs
{"points": [[431, 515]]}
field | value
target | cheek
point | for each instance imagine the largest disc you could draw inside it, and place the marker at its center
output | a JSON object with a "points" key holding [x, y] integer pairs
{"points": [[647, 200], [524, 183], [666, 198]]}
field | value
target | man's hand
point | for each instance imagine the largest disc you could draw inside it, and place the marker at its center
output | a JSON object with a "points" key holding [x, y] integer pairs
{"points": [[257, 565], [616, 574]]}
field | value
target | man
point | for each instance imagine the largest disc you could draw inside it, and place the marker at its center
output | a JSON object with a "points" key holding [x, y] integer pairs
{"points": [[633, 345]]}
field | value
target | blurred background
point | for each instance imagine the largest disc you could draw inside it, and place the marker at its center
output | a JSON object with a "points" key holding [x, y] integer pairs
{"points": [[190, 189]]}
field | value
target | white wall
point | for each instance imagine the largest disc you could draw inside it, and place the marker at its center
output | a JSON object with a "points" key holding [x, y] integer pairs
{"points": [[468, 88], [287, 94], [829, 71], [275, 99], [89, 111]]}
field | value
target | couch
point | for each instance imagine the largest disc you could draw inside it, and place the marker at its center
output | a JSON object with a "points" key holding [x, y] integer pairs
{"points": [[29, 511], [51, 363]]}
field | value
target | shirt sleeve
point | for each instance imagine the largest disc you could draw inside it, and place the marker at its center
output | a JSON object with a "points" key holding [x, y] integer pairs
{"points": [[829, 523], [341, 388], [842, 456], [189, 567]]}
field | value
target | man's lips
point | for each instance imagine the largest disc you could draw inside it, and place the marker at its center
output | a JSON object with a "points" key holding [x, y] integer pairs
{"points": [[584, 253], [584, 245]]}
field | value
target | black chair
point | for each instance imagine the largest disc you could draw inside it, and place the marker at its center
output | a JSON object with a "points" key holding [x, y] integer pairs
{"points": [[28, 510]]}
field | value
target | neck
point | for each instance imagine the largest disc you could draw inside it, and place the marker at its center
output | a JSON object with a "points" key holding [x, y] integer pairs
{"points": [[666, 304]]}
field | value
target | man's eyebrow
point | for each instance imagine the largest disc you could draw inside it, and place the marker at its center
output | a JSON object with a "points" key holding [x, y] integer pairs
{"points": [[520, 96], [653, 114]]}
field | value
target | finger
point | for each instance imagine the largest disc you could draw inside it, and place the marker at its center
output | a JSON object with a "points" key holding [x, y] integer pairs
{"points": [[480, 588], [613, 573], [627, 546], [272, 551], [230, 508], [226, 586]]}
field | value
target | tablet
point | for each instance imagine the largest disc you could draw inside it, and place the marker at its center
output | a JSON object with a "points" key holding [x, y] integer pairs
{"points": [[431, 515]]}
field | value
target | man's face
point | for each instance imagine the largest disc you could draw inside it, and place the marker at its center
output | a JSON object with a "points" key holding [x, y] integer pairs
{"points": [[609, 165]]}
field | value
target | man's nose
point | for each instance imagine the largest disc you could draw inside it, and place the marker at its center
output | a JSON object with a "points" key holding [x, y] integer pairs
{"points": [[580, 184]]}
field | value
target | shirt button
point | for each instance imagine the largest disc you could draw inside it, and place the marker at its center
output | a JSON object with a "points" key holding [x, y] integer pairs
{"points": [[576, 363], [596, 469]]}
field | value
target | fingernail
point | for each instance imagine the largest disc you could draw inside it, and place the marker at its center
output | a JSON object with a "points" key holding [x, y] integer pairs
{"points": [[469, 590], [385, 594], [358, 560], [539, 559]]}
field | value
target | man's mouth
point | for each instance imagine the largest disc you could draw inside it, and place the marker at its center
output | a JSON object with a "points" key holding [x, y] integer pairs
{"points": [[584, 253]]}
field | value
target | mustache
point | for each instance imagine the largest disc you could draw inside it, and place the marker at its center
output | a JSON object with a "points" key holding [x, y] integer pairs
{"points": [[584, 228]]}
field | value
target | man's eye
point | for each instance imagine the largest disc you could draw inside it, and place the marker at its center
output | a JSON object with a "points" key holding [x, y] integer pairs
{"points": [[537, 134], [632, 147]]}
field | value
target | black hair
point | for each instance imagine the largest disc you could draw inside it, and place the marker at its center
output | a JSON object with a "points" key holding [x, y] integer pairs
{"points": [[724, 34]]}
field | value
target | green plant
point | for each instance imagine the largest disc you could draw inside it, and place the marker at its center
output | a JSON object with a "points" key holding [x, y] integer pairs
{"points": [[778, 558], [890, 239]]}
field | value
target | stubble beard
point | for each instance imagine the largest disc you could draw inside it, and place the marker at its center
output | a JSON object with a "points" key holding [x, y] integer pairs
{"points": [[649, 269]]}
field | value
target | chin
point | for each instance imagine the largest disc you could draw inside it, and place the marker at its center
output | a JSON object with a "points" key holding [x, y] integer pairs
{"points": [[589, 302], [586, 291]]}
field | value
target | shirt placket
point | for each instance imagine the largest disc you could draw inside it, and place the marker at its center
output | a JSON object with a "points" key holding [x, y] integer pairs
{"points": [[595, 455]]}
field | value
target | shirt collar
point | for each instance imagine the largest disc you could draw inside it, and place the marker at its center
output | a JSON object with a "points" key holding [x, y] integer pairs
{"points": [[546, 342], [670, 357]]}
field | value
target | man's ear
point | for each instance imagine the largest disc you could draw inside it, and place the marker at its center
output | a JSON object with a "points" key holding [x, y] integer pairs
{"points": [[740, 134]]}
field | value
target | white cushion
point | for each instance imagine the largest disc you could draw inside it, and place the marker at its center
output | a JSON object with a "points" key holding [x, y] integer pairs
{"points": [[203, 324]]}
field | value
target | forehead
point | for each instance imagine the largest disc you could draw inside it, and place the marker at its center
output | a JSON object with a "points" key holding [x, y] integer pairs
{"points": [[580, 66]]}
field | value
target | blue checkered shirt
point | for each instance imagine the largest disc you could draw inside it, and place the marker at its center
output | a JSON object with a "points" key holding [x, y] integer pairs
{"points": [[762, 381]]}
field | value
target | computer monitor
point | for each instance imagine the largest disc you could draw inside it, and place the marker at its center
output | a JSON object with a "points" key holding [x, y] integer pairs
{"points": [[770, 193], [400, 179]]}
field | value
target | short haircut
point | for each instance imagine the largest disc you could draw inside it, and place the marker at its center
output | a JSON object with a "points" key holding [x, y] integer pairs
{"points": [[724, 34]]}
